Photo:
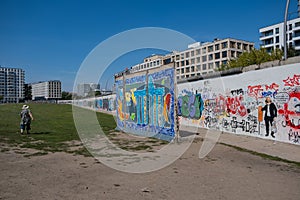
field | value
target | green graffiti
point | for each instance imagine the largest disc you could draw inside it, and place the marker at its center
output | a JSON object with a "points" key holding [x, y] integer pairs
{"points": [[132, 116]]}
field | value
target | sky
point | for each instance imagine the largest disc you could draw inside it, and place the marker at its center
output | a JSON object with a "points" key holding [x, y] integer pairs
{"points": [[50, 39]]}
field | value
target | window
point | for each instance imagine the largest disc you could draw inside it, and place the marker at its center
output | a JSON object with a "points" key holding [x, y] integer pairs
{"points": [[297, 43], [277, 30], [187, 62], [198, 52], [217, 64], [210, 56], [297, 34], [182, 56], [182, 70], [192, 53], [232, 45], [224, 45], [177, 64], [232, 53], [217, 55], [217, 47], [198, 67], [224, 54], [182, 63], [210, 65], [239, 45], [187, 70], [224, 62], [290, 27], [187, 54], [297, 24], [204, 67], [192, 68], [187, 76], [290, 36], [210, 48], [204, 50], [204, 59], [193, 61], [277, 39], [198, 59]]}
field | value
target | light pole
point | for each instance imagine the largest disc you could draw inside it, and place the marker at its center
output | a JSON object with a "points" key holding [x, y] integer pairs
{"points": [[285, 29]]}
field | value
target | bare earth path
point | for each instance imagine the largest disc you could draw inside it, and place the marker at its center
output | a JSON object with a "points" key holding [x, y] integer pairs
{"points": [[225, 174]]}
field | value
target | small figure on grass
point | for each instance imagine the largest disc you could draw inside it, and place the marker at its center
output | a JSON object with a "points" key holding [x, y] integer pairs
{"points": [[26, 118]]}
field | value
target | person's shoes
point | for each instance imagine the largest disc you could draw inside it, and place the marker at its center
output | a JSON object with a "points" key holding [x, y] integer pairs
{"points": [[272, 134], [267, 135]]}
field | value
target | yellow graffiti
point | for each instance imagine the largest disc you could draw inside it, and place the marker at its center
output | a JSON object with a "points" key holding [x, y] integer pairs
{"points": [[121, 114]]}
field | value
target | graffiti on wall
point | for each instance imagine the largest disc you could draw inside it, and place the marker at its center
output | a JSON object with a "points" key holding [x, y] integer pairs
{"points": [[236, 110], [147, 105]]}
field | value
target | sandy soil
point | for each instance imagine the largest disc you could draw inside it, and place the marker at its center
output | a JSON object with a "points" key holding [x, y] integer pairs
{"points": [[225, 174]]}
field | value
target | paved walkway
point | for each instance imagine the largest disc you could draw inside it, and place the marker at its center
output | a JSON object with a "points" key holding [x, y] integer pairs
{"points": [[282, 150]]}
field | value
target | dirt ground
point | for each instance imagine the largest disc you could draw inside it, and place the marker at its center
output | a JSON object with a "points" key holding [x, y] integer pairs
{"points": [[225, 173]]}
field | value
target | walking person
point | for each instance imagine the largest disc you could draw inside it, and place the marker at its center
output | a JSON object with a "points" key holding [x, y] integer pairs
{"points": [[270, 115], [26, 117]]}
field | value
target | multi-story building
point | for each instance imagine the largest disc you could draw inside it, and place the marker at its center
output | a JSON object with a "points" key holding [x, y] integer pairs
{"points": [[204, 58], [198, 59], [83, 89], [271, 37], [46, 90], [149, 62], [11, 84]]}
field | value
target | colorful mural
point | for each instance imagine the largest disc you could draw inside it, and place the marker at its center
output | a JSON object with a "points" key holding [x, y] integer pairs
{"points": [[147, 107]]}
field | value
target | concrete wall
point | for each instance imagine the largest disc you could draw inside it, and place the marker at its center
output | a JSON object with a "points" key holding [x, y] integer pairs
{"points": [[231, 103]]}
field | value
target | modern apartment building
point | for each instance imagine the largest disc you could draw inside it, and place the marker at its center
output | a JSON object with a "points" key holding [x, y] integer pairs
{"points": [[46, 90], [204, 58], [271, 37], [11, 85], [198, 59]]}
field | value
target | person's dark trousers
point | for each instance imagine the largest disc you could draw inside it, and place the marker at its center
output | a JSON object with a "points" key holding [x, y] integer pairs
{"points": [[268, 122]]}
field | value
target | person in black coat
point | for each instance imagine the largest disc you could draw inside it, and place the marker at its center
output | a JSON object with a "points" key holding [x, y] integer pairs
{"points": [[270, 114]]}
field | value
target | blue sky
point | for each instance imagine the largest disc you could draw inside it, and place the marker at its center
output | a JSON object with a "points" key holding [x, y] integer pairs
{"points": [[50, 39]]}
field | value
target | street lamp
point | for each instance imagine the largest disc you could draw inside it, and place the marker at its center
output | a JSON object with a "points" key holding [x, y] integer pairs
{"points": [[284, 29]]}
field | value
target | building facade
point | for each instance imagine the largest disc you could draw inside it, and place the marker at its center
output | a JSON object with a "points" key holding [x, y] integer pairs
{"points": [[11, 85], [46, 90], [198, 59], [204, 58], [83, 89], [152, 61], [271, 37]]}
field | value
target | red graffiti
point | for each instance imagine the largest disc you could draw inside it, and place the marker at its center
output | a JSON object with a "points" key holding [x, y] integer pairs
{"points": [[235, 105], [273, 86], [257, 90], [292, 81], [291, 111]]}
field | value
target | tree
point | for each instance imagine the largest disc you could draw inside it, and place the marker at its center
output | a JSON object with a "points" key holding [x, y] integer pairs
{"points": [[277, 54], [66, 95], [27, 92], [254, 57]]}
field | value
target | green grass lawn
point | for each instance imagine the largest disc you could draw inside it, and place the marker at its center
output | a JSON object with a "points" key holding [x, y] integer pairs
{"points": [[52, 127]]}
